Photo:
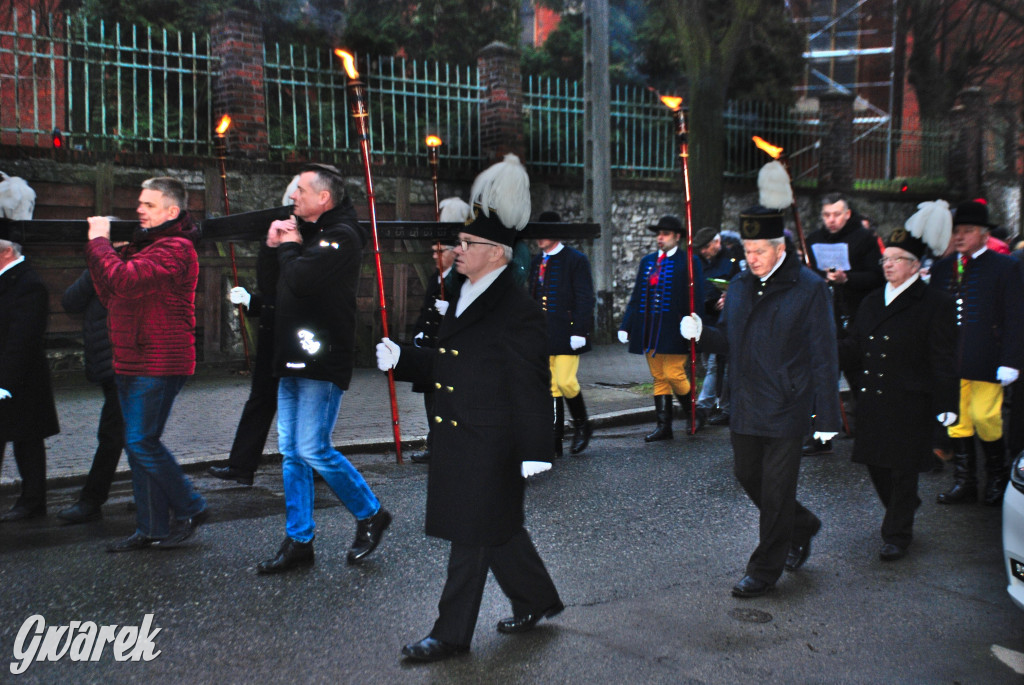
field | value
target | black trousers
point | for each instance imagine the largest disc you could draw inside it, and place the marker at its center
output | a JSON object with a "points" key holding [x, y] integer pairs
{"points": [[257, 414], [519, 571], [110, 438], [428, 405], [898, 492], [767, 469], [30, 455]]}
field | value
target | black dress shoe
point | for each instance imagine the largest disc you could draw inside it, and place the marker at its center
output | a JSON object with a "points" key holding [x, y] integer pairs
{"points": [[892, 552], [20, 513], [231, 473], [183, 531], [751, 587], [815, 447], [133, 542], [429, 649], [421, 457], [799, 551], [291, 555], [719, 420], [80, 512], [521, 624], [368, 534]]}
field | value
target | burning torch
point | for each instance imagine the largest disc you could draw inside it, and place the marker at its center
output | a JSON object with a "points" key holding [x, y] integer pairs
{"points": [[433, 143], [776, 153], [360, 116], [675, 103]]}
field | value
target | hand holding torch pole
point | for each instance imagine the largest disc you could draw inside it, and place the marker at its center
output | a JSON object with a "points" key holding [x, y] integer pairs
{"points": [[220, 146], [433, 143], [682, 138], [360, 116]]}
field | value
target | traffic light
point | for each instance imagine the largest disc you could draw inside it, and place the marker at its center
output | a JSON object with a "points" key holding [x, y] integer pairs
{"points": [[58, 139]]}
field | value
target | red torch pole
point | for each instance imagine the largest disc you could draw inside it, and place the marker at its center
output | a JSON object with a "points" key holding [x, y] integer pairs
{"points": [[682, 138], [433, 143], [221, 147], [360, 115]]}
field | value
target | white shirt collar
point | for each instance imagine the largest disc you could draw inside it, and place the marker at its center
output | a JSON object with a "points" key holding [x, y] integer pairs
{"points": [[669, 253], [776, 267], [470, 291], [892, 293], [555, 250], [13, 264], [978, 253]]}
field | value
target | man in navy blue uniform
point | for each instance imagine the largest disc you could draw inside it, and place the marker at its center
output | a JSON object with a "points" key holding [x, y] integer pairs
{"points": [[561, 282], [660, 299], [990, 350]]}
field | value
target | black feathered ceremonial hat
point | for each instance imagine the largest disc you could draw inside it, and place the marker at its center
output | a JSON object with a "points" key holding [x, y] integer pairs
{"points": [[501, 201], [902, 239], [761, 223], [667, 223]]}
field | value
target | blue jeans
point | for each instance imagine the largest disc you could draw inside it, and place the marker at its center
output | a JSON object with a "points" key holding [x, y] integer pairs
{"points": [[710, 392], [306, 413], [159, 483]]}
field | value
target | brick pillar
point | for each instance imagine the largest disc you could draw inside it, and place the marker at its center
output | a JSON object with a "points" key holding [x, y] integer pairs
{"points": [[501, 112], [236, 38], [966, 165], [835, 158]]}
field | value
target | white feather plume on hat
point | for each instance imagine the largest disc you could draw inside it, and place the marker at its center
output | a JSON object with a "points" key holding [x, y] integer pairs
{"points": [[455, 210], [17, 199], [932, 224], [504, 188], [774, 186]]}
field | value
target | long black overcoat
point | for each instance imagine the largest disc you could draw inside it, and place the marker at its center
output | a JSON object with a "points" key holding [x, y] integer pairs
{"points": [[30, 412], [492, 411], [907, 351]]}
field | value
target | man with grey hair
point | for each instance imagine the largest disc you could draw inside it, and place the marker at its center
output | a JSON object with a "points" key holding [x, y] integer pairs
{"points": [[27, 411]]}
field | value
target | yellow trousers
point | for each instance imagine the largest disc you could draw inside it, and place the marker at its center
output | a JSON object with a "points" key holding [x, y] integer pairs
{"points": [[669, 373], [981, 411], [563, 375]]}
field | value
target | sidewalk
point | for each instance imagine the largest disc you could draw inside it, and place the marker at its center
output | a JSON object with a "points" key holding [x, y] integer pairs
{"points": [[202, 424]]}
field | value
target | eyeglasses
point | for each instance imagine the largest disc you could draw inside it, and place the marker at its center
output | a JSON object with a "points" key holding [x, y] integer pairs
{"points": [[464, 244], [885, 260]]}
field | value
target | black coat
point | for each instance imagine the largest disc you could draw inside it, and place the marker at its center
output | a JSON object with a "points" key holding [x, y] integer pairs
{"points": [[80, 298], [429, 319], [865, 272], [908, 378], [492, 408], [567, 298], [781, 342], [30, 412]]}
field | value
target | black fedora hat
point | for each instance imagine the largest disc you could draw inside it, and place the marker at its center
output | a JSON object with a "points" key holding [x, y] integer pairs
{"points": [[668, 222], [972, 212]]}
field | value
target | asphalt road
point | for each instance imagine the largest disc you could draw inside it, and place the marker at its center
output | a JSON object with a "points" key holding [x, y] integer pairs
{"points": [[643, 541]]}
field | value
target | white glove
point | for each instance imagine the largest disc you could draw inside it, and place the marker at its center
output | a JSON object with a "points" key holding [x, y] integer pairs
{"points": [[4, 394], [239, 295], [577, 341], [417, 339], [623, 337], [824, 436], [947, 418], [532, 468], [691, 327], [387, 354], [441, 306], [1006, 375]]}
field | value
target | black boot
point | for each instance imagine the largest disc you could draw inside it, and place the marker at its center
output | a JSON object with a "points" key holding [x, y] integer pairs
{"points": [[701, 415], [369, 531], [580, 423], [663, 411], [291, 555], [965, 483], [997, 471], [559, 424]]}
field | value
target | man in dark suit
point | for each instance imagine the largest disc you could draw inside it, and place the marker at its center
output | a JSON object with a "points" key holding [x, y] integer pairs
{"points": [[490, 369], [27, 411], [990, 351]]}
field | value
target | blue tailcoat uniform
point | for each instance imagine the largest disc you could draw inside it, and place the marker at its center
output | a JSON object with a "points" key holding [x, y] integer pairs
{"points": [[653, 314], [566, 296]]}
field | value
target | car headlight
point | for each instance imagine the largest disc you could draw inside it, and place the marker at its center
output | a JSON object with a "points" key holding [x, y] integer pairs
{"points": [[1017, 472]]}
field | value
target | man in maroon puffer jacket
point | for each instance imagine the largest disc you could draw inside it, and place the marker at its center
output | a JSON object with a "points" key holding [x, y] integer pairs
{"points": [[149, 288]]}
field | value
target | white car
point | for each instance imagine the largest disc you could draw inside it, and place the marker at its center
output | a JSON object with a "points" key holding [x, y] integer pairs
{"points": [[1013, 531]]}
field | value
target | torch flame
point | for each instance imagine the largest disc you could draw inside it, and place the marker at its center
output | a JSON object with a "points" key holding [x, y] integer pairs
{"points": [[349, 61], [222, 127], [671, 101], [773, 151], [433, 141]]}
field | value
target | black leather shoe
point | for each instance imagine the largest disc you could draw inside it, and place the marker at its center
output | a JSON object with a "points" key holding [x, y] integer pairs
{"points": [[183, 531], [521, 624], [80, 512], [799, 551], [20, 513], [291, 555], [751, 587], [428, 649], [368, 534], [421, 457], [231, 473], [719, 420], [133, 542], [892, 552], [815, 447]]}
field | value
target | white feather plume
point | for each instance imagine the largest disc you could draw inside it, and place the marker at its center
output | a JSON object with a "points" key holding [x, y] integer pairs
{"points": [[287, 200], [504, 188], [932, 223], [776, 192], [455, 210], [17, 199]]}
